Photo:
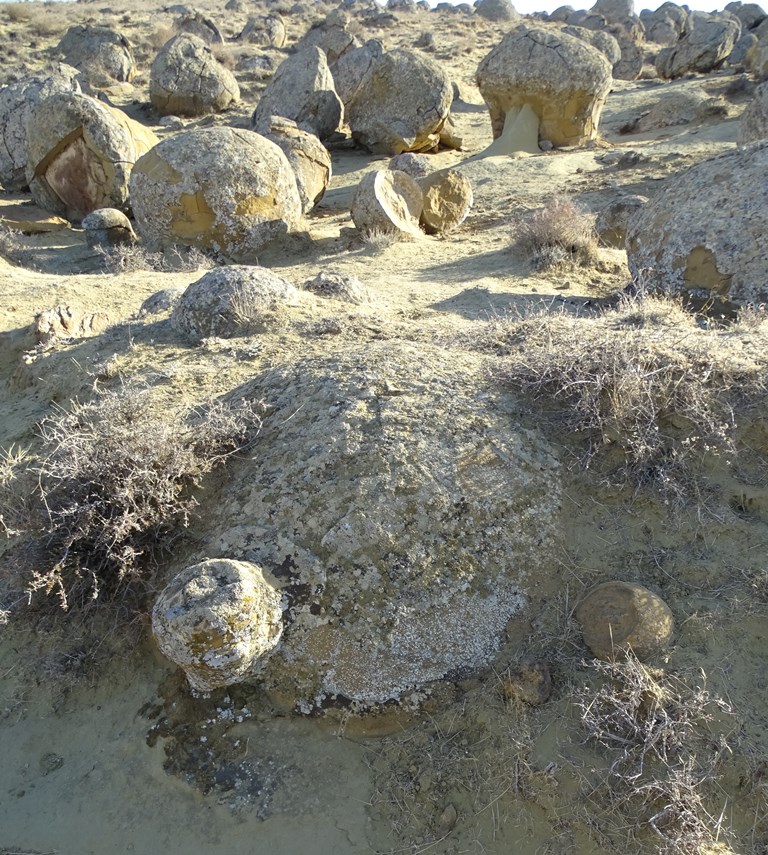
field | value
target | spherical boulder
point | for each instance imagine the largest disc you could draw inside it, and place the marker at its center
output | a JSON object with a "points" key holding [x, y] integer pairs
{"points": [[563, 80], [222, 189], [706, 44], [198, 25], [186, 79], [219, 620], [754, 120], [18, 102], [269, 30], [80, 153], [448, 199], [101, 53], [387, 201], [230, 301], [108, 227], [331, 36], [402, 105], [700, 235], [619, 616], [415, 165], [496, 10], [353, 69]]}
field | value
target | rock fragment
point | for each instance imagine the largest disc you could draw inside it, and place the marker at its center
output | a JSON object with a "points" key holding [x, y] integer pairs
{"points": [[387, 201]]}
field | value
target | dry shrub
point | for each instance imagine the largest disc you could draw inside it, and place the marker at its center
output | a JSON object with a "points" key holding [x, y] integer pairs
{"points": [[562, 232], [644, 383], [666, 740], [131, 258], [112, 486], [19, 13]]}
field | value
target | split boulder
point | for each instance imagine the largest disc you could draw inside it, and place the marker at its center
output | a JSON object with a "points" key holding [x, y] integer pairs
{"points": [[387, 201], [706, 44]]}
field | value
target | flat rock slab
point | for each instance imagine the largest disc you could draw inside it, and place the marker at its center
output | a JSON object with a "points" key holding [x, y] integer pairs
{"points": [[28, 218]]}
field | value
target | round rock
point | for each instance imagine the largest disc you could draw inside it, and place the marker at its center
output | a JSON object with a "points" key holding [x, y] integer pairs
{"points": [[387, 201], [221, 189], [219, 620], [108, 227], [99, 52], [617, 616], [340, 286], [447, 201]]}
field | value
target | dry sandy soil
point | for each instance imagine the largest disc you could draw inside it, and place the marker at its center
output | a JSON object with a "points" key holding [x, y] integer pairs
{"points": [[103, 747]]}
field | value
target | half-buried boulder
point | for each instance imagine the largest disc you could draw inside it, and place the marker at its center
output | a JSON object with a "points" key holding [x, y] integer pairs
{"points": [[702, 235], [108, 228], [560, 79], [389, 202], [80, 153], [220, 189], [101, 53]]}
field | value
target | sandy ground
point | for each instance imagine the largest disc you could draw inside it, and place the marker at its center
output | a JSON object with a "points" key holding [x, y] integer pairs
{"points": [[106, 751]]}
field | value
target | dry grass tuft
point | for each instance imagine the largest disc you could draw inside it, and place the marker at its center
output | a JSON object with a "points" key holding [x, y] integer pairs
{"points": [[131, 258], [561, 233]]}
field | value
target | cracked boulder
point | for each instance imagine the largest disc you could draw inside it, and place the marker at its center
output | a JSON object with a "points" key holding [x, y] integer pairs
{"points": [[303, 91], [352, 70], [108, 228], [330, 35], [560, 79], [101, 53], [223, 190], [186, 79], [265, 31], [702, 235], [80, 153], [387, 202], [447, 200], [707, 42], [402, 105], [18, 102], [754, 120]]}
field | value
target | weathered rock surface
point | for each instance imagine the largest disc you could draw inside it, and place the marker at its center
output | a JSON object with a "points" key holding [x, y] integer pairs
{"points": [[666, 24], [108, 227], [496, 10], [387, 201], [308, 157], [678, 107], [604, 42], [65, 322], [220, 189], [408, 511], [18, 102], [230, 301], [186, 79], [447, 200], [612, 220], [618, 616], [99, 52], [354, 68], [706, 44], [702, 234], [302, 90], [415, 165], [402, 105], [561, 78], [331, 36], [219, 620], [198, 25], [754, 120], [751, 15], [80, 153], [268, 30], [339, 286]]}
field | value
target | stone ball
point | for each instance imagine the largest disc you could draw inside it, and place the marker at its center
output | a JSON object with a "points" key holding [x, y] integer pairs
{"points": [[219, 620], [108, 227], [617, 616]]}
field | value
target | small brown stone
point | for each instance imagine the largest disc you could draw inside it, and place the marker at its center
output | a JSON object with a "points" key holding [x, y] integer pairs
{"points": [[530, 683]]}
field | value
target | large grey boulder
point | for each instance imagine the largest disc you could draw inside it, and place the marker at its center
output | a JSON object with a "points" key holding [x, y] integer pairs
{"points": [[99, 52], [751, 15], [703, 234], [631, 39], [561, 79], [599, 39], [353, 70], [332, 36], [220, 620], [107, 228], [499, 11], [402, 105], [18, 102], [614, 11], [664, 25], [754, 120], [706, 44], [186, 79], [221, 189], [302, 90], [80, 153]]}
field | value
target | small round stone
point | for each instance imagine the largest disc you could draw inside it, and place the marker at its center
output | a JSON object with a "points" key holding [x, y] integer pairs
{"points": [[617, 616]]}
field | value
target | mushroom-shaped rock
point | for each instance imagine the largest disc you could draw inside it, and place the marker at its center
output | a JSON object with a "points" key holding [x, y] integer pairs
{"points": [[341, 286], [706, 44], [402, 105], [196, 24], [99, 52], [618, 616], [80, 153], [701, 234], [221, 189], [309, 159], [108, 227], [387, 201], [447, 200], [561, 79], [230, 301], [18, 102], [353, 69], [186, 79], [219, 620], [754, 120], [302, 90]]}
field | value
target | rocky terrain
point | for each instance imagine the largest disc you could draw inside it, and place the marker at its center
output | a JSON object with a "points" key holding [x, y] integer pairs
{"points": [[383, 457]]}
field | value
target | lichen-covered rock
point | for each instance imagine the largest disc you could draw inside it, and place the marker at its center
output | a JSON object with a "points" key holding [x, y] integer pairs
{"points": [[387, 201], [703, 233], [563, 80], [308, 157], [186, 79], [352, 70], [65, 322], [612, 220], [331, 36], [415, 165], [18, 102], [666, 24], [269, 30], [339, 286], [108, 227], [754, 120], [408, 510], [496, 10], [447, 200], [220, 189], [302, 90], [706, 44], [99, 52], [604, 42], [230, 301], [80, 153], [198, 25], [402, 105], [619, 616], [220, 620]]}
